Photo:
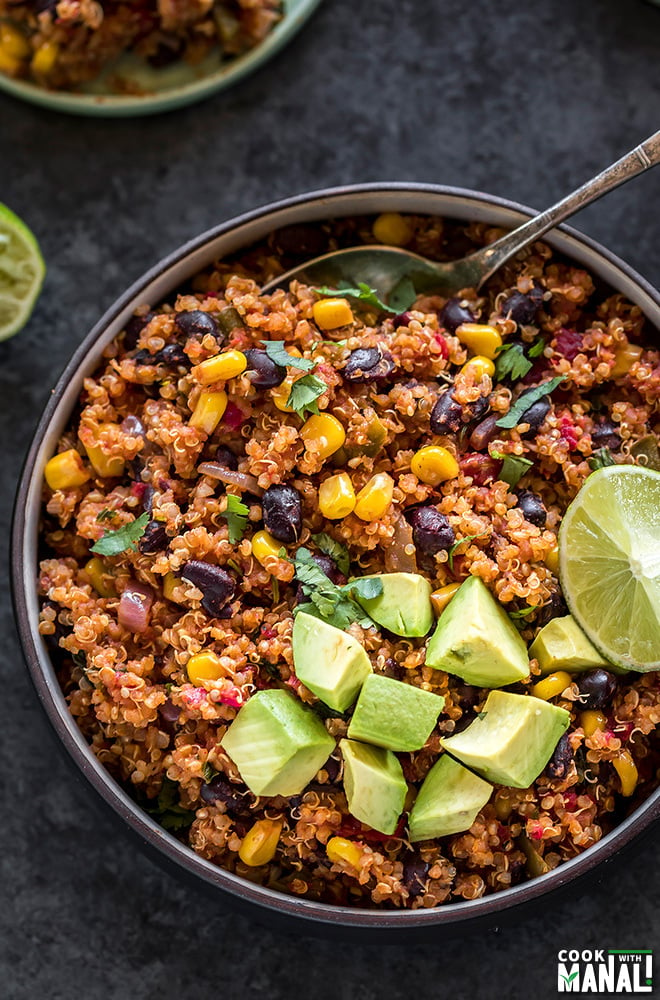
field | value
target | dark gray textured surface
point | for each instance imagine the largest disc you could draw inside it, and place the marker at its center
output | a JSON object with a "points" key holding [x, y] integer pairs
{"points": [[524, 100]]}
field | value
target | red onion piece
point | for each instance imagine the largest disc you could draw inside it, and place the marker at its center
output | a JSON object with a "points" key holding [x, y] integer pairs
{"points": [[134, 607], [233, 416], [243, 480], [133, 425]]}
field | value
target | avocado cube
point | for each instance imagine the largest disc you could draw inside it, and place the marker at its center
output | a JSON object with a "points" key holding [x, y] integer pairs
{"points": [[374, 784], [277, 744], [562, 645], [331, 663], [404, 604], [476, 640], [448, 801], [394, 715], [511, 740]]}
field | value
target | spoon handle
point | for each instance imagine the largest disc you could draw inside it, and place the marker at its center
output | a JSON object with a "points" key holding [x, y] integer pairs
{"points": [[646, 155]]}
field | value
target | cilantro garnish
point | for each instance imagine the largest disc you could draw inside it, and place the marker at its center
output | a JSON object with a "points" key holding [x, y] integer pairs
{"points": [[523, 613], [304, 393], [236, 514], [361, 291], [536, 349], [278, 353], [333, 604], [106, 514], [527, 399], [126, 537], [209, 772], [600, 459], [458, 543], [168, 811], [337, 552], [511, 362], [514, 467], [482, 715]]}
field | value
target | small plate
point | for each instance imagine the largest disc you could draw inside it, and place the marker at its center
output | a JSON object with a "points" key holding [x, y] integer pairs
{"points": [[168, 88]]}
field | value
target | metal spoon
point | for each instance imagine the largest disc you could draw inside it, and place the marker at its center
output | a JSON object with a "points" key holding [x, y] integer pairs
{"points": [[383, 267]]}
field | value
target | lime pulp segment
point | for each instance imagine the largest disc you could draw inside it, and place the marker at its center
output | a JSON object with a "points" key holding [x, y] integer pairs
{"points": [[609, 560], [22, 271]]}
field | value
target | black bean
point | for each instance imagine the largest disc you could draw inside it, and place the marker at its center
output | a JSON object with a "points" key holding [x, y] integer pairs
{"points": [[262, 370], [454, 313], [415, 874], [535, 416], [467, 696], [148, 498], [282, 507], [432, 531], [195, 323], [605, 435], [555, 608], [174, 356], [596, 688], [393, 669], [225, 456], [134, 327], [169, 712], [329, 567], [403, 319], [560, 761], [485, 432], [154, 539], [217, 586], [532, 507], [447, 414], [144, 357], [477, 408], [368, 364], [332, 766], [218, 789], [521, 308]]}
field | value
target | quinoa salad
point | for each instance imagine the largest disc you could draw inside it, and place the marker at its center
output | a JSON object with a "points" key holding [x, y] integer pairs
{"points": [[300, 567], [62, 44]]}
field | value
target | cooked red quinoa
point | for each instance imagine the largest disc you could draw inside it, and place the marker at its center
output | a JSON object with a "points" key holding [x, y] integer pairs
{"points": [[64, 43], [158, 734]]}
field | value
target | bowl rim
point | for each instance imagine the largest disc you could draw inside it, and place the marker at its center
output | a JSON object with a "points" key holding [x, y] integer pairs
{"points": [[197, 89], [22, 580]]}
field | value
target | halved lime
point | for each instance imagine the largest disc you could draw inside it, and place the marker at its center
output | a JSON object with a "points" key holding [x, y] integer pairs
{"points": [[22, 271], [609, 564]]}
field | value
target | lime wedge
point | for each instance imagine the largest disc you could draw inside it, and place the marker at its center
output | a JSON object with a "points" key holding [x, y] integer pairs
{"points": [[609, 564], [22, 271]]}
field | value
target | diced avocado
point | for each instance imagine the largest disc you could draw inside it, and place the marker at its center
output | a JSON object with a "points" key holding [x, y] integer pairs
{"points": [[404, 604], [394, 715], [448, 801], [277, 743], [476, 640], [331, 663], [562, 645], [511, 740], [374, 784]]}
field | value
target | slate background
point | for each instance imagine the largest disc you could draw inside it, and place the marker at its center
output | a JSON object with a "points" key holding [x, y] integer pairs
{"points": [[525, 100]]}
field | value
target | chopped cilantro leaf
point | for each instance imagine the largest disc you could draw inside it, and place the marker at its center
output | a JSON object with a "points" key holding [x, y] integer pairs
{"points": [[536, 349], [523, 613], [304, 393], [168, 811], [106, 514], [278, 353], [361, 291], [511, 362], [514, 467], [126, 537], [333, 604], [236, 514], [458, 543], [337, 552], [208, 772], [527, 399], [600, 459]]}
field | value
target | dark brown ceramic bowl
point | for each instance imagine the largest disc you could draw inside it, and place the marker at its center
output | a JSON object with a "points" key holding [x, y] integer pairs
{"points": [[156, 285]]}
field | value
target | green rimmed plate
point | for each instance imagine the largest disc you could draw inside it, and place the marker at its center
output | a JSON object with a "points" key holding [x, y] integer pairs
{"points": [[163, 89]]}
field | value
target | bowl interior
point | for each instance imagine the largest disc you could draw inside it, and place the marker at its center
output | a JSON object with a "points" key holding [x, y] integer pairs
{"points": [[155, 286]]}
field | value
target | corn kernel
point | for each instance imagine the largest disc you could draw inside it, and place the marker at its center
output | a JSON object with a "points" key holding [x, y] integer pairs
{"points": [[170, 581], [13, 42], [483, 340], [221, 367], [480, 366], [104, 465], [325, 432], [337, 496], [329, 314], [375, 497], [434, 465], [392, 228], [552, 560], [552, 685], [441, 598], [44, 58], [280, 393], [65, 471], [265, 547], [339, 849], [97, 574], [209, 410], [9, 64], [626, 768], [204, 666], [260, 842], [625, 358], [591, 720]]}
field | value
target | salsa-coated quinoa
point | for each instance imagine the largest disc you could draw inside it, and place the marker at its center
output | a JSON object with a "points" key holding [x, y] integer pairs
{"points": [[206, 472]]}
